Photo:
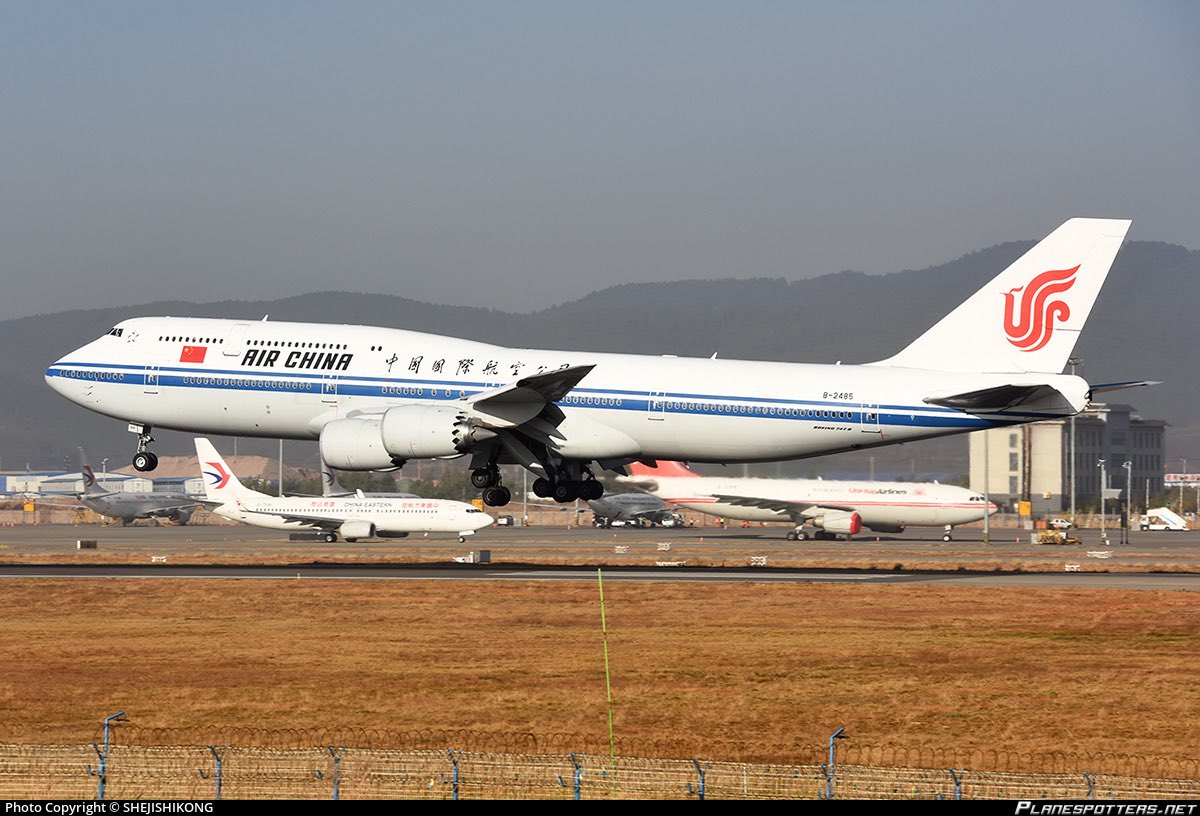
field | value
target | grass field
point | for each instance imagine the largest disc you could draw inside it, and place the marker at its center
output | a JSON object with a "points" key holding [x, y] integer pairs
{"points": [[757, 664]]}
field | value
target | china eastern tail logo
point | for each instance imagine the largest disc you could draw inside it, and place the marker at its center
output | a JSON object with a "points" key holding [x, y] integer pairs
{"points": [[220, 477], [1029, 320]]}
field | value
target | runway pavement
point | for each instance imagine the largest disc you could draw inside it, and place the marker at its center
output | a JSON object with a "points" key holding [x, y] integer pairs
{"points": [[1152, 560]]}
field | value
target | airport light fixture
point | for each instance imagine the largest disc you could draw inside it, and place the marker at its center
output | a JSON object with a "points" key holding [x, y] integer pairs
{"points": [[1103, 481], [1128, 465], [1181, 481], [987, 502], [1073, 362]]}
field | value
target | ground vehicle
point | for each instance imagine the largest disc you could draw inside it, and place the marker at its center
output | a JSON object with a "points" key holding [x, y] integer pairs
{"points": [[1162, 518], [1055, 537], [1059, 524]]}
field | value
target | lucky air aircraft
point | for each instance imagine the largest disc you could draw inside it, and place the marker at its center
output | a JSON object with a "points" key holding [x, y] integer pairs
{"points": [[832, 507], [352, 518], [377, 397]]}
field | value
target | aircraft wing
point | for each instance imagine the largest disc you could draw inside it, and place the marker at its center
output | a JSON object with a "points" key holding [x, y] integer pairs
{"points": [[519, 402], [173, 507], [796, 510], [318, 521]]}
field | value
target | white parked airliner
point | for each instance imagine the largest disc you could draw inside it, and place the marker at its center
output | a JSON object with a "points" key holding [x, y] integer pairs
{"points": [[377, 397], [350, 518], [832, 507]]}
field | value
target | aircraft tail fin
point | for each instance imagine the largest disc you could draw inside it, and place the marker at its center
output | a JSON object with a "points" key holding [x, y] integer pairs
{"points": [[1027, 318], [90, 486], [664, 470], [330, 486], [220, 483]]}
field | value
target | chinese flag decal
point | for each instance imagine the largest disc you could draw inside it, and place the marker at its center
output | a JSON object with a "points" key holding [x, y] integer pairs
{"points": [[193, 354]]}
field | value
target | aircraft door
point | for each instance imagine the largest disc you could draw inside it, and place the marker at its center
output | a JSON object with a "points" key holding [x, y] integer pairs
{"points": [[329, 390], [235, 341], [869, 418], [656, 405], [151, 381]]}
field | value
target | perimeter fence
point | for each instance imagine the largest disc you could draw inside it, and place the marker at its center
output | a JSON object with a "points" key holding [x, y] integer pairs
{"points": [[144, 763]]}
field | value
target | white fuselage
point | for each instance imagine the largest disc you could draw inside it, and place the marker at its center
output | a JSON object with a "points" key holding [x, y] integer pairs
{"points": [[383, 516], [878, 504], [288, 380]]}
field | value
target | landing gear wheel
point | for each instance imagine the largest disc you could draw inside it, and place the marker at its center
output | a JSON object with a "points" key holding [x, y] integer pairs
{"points": [[542, 487], [947, 537], [144, 461], [485, 477], [590, 490], [565, 491], [330, 538], [497, 496]]}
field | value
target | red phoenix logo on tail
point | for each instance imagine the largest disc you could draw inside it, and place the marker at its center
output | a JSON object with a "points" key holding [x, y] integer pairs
{"points": [[220, 476], [1030, 324]]}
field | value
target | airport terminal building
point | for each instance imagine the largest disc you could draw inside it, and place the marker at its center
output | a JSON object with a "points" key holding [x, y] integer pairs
{"points": [[1033, 461]]}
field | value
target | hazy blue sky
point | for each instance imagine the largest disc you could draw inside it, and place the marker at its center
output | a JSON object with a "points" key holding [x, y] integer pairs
{"points": [[521, 154]]}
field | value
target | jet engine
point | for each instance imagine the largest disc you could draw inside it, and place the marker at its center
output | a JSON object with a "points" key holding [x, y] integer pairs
{"points": [[354, 444], [404, 432], [842, 522], [354, 530], [429, 431]]}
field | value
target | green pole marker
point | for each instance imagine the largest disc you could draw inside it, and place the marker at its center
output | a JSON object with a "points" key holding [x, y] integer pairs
{"points": [[612, 742]]}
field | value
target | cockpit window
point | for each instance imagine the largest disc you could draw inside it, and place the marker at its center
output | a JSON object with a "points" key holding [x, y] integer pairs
{"points": [[116, 332]]}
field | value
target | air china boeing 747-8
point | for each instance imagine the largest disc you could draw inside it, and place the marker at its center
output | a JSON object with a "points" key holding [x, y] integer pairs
{"points": [[377, 397]]}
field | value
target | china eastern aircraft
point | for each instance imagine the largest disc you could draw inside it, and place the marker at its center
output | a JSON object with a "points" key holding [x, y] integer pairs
{"points": [[375, 397], [351, 518], [832, 507]]}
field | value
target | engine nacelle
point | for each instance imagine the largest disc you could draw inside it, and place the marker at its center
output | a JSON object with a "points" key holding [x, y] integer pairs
{"points": [[352, 530], [841, 522], [354, 444], [429, 431]]}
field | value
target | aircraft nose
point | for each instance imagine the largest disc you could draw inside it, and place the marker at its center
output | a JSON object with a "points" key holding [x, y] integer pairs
{"points": [[55, 378]]}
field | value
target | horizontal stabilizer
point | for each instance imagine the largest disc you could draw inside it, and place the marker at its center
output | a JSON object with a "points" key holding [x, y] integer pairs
{"points": [[990, 400], [1120, 386]]}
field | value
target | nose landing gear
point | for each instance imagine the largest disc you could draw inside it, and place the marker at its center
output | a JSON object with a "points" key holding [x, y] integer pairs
{"points": [[144, 460]]}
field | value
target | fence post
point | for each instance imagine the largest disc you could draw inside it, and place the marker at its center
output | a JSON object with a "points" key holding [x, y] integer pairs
{"points": [[1091, 794], [700, 774], [336, 755], [216, 756], [832, 773], [103, 772], [957, 784], [454, 773], [578, 775]]}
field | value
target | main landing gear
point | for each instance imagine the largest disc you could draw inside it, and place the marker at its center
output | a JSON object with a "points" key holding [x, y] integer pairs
{"points": [[144, 459], [494, 493], [564, 490]]}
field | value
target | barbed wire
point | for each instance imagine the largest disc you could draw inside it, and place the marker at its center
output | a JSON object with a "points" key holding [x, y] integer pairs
{"points": [[527, 743]]}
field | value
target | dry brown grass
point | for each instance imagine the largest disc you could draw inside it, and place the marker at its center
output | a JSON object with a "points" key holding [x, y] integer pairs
{"points": [[1010, 669]]}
